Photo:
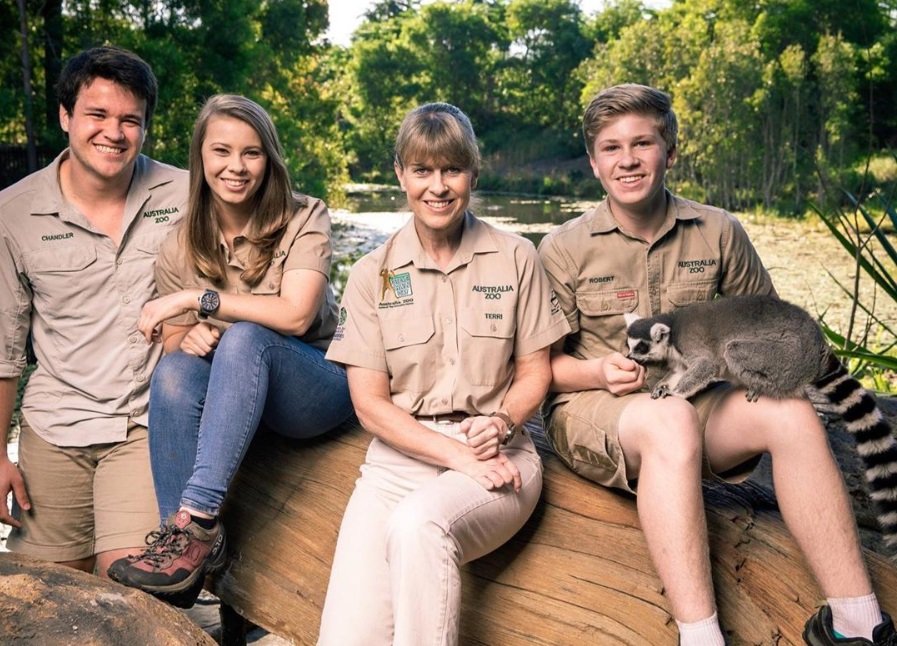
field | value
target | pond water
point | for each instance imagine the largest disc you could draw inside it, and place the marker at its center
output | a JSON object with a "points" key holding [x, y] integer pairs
{"points": [[531, 216]]}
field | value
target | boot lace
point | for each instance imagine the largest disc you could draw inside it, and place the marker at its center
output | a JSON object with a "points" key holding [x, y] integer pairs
{"points": [[164, 545]]}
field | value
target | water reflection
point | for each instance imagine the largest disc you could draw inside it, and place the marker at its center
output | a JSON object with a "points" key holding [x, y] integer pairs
{"points": [[529, 216]]}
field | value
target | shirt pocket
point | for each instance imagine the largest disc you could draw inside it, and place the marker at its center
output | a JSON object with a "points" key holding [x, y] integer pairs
{"points": [[270, 283], [682, 294], [601, 321], [405, 341], [608, 303], [487, 345], [58, 278]]}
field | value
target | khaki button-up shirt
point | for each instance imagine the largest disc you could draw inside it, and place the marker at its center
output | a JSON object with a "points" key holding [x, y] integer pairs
{"points": [[447, 338], [305, 244], [80, 296], [599, 272]]}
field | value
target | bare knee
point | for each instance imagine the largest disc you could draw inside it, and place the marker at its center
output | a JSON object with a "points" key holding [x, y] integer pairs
{"points": [[665, 431], [788, 424]]}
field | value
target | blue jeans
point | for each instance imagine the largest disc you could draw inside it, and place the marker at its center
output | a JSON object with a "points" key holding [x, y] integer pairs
{"points": [[204, 411]]}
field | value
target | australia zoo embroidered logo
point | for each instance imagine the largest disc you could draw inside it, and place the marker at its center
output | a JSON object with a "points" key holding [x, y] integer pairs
{"points": [[492, 292], [401, 285], [395, 289]]}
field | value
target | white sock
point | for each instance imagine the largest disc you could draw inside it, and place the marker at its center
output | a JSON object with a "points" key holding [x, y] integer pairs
{"points": [[855, 616], [705, 632]]}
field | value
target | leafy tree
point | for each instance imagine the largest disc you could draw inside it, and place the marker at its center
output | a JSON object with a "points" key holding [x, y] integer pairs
{"points": [[547, 45]]}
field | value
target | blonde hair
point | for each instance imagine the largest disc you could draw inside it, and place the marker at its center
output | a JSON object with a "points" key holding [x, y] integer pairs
{"points": [[438, 132], [273, 203], [630, 98]]}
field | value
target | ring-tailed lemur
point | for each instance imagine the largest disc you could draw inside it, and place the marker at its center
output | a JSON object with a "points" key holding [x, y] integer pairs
{"points": [[774, 349]]}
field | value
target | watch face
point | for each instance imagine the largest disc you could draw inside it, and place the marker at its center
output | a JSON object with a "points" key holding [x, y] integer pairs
{"points": [[209, 302]]}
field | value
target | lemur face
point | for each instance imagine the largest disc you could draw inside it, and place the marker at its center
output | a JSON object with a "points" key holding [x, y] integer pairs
{"points": [[647, 341]]}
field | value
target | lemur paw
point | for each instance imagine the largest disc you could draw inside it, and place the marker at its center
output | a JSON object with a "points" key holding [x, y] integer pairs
{"points": [[752, 395], [660, 391]]}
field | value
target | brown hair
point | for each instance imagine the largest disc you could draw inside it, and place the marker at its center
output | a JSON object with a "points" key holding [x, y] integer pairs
{"points": [[630, 98], [273, 203], [439, 132], [115, 64]]}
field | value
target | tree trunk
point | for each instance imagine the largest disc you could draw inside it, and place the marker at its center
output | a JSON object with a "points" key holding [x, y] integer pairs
{"points": [[53, 40], [26, 82]]}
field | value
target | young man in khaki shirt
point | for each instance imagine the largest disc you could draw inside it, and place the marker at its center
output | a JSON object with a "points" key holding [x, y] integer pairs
{"points": [[646, 251], [78, 240]]}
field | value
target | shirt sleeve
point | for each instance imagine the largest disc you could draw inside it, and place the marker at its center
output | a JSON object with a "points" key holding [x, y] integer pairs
{"points": [[562, 282], [169, 273], [540, 320], [743, 271], [15, 312], [358, 340], [311, 247]]}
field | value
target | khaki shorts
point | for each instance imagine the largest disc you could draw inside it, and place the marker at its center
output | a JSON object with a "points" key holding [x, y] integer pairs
{"points": [[584, 434], [84, 500]]}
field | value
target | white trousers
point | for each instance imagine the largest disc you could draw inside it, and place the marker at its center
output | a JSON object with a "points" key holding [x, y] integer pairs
{"points": [[408, 528]]}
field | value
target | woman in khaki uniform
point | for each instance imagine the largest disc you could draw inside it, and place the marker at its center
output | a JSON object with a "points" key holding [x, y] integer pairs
{"points": [[445, 333], [245, 316]]}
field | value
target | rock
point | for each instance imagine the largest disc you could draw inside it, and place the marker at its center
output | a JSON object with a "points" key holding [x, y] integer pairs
{"points": [[46, 603]]}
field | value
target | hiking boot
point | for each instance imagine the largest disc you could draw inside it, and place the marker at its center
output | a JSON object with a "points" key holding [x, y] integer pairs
{"points": [[174, 565], [819, 632]]}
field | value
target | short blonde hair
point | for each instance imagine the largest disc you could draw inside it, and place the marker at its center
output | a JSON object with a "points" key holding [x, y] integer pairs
{"points": [[437, 132], [630, 98]]}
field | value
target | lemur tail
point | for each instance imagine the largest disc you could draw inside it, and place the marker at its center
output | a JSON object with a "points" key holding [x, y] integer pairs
{"points": [[875, 441]]}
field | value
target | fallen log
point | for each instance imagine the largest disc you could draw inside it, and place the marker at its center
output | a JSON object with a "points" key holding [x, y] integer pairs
{"points": [[578, 572], [45, 603]]}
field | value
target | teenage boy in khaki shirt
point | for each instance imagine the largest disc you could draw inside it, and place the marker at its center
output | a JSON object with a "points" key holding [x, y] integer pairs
{"points": [[647, 251], [78, 240]]}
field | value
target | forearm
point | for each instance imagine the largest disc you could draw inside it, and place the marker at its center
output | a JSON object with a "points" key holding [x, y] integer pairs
{"points": [[379, 416], [569, 374], [8, 390], [532, 378], [272, 311], [404, 433]]}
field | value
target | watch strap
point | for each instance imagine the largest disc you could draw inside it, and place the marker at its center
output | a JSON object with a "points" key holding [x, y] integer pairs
{"points": [[512, 427]]}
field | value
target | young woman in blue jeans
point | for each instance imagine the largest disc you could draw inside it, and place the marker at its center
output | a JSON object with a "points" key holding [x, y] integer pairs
{"points": [[245, 315]]}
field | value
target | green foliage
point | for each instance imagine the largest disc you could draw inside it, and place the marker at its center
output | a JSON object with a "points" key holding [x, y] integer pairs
{"points": [[269, 51], [866, 232], [775, 99]]}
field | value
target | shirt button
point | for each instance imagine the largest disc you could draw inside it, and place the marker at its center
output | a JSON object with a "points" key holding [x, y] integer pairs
{"points": [[118, 261], [133, 338], [444, 400], [445, 279], [402, 338], [140, 377], [451, 362], [493, 327], [271, 285], [125, 299]]}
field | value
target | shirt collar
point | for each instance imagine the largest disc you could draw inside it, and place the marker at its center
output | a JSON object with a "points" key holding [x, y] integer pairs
{"points": [[406, 246], [602, 221]]}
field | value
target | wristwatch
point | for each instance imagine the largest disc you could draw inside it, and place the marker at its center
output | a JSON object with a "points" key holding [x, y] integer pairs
{"points": [[209, 303], [512, 427]]}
